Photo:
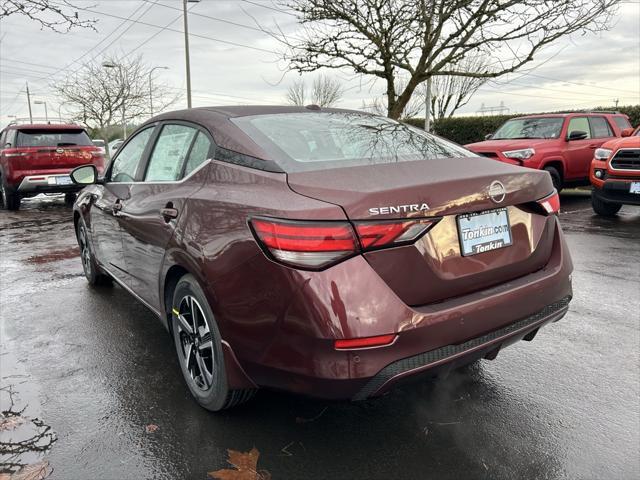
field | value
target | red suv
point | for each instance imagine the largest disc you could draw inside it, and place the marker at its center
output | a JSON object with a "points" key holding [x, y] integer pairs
{"points": [[37, 158], [561, 143], [615, 174]]}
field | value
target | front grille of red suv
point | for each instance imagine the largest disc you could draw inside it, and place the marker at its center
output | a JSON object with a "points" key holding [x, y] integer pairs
{"points": [[626, 159]]}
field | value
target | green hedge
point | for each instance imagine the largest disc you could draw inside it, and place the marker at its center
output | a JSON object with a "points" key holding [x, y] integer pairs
{"points": [[473, 129]]}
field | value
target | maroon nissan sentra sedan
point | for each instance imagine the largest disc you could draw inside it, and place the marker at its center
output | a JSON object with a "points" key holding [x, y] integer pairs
{"points": [[321, 251]]}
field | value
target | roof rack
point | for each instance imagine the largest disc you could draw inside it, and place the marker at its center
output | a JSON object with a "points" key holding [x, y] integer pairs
{"points": [[40, 120], [612, 112]]}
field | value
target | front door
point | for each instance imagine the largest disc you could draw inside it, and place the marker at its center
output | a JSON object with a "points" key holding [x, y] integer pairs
{"points": [[579, 152], [156, 203], [106, 218]]}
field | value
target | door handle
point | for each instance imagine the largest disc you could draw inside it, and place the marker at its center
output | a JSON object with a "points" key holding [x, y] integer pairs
{"points": [[593, 146], [115, 209], [169, 213]]}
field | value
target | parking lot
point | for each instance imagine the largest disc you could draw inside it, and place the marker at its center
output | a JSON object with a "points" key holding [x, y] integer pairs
{"points": [[96, 367]]}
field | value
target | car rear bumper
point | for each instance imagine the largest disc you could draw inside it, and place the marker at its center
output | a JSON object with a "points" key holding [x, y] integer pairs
{"points": [[456, 355], [445, 334], [47, 183]]}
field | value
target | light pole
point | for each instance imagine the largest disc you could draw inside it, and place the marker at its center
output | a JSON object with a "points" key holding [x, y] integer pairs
{"points": [[124, 120], [186, 49], [151, 87], [46, 112]]}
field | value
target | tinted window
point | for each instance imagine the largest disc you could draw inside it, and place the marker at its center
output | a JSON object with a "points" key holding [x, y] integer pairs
{"points": [[580, 124], [600, 127], [323, 140], [52, 138], [199, 153], [537, 127], [621, 122], [3, 138], [126, 163], [169, 153]]}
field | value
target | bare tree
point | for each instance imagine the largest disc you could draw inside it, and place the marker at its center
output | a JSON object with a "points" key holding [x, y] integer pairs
{"points": [[60, 16], [296, 94], [427, 38], [325, 92], [451, 92], [96, 95]]}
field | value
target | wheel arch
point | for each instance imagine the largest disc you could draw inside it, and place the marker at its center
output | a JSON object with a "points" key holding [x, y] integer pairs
{"points": [[557, 164]]}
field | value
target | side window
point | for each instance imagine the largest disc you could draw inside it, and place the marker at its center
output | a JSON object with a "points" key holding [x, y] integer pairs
{"points": [[600, 128], [622, 122], [199, 153], [169, 153], [11, 138], [3, 139], [128, 157], [580, 124]]}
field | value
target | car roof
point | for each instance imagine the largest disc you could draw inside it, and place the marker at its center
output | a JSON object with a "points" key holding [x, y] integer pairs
{"points": [[47, 126], [571, 114]]}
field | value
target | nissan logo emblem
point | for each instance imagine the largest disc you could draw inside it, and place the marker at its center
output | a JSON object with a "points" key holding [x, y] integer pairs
{"points": [[59, 150], [497, 192]]}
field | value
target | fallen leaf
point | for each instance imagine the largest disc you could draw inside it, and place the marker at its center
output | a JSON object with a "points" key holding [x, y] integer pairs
{"points": [[35, 471], [151, 428], [10, 422], [246, 467]]}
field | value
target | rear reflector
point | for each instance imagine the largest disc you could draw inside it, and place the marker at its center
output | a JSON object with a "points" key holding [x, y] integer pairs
{"points": [[550, 204], [366, 342]]}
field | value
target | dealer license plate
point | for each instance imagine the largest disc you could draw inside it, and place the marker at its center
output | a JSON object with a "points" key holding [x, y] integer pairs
{"points": [[634, 187], [484, 231]]}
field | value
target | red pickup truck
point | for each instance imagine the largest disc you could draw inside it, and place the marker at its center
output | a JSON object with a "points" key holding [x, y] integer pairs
{"points": [[37, 158], [562, 143]]}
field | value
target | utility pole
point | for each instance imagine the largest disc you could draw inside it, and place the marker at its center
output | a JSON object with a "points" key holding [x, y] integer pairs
{"points": [[427, 106], [616, 102], [29, 102], [186, 51]]}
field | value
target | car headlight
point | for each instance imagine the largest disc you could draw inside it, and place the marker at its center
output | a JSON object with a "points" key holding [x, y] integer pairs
{"points": [[602, 153], [523, 154]]}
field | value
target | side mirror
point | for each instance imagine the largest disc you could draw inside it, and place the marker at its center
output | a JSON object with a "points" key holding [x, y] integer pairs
{"points": [[488, 136], [577, 135], [627, 132], [84, 175]]}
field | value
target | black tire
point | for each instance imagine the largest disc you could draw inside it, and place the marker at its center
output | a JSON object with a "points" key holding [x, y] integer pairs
{"points": [[95, 276], [605, 209], [8, 197], [70, 198], [200, 356], [556, 178]]}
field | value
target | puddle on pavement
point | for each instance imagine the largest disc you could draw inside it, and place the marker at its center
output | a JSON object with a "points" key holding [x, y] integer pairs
{"points": [[25, 439], [54, 256]]}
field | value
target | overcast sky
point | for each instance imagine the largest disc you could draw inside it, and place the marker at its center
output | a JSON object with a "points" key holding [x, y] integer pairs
{"points": [[578, 72]]}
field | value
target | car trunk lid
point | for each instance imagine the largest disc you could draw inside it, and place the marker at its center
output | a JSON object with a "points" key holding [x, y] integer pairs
{"points": [[433, 268]]}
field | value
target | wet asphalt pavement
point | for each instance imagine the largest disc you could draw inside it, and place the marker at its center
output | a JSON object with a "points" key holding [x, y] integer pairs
{"points": [[97, 368]]}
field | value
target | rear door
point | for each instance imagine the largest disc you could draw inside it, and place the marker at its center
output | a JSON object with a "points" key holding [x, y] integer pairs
{"points": [[170, 176], [579, 152], [106, 218]]}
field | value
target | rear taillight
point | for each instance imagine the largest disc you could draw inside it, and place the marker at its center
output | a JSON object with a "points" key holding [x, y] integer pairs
{"points": [[385, 234], [311, 245], [315, 245], [550, 204]]}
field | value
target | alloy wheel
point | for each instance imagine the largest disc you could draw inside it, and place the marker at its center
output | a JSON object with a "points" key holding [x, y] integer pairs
{"points": [[85, 251], [196, 342]]}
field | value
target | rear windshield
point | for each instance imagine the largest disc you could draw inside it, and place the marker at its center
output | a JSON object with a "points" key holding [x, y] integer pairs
{"points": [[324, 140], [537, 127], [52, 138]]}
